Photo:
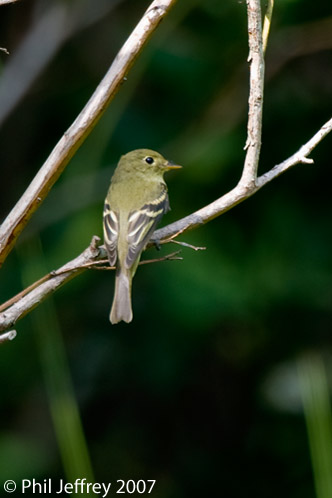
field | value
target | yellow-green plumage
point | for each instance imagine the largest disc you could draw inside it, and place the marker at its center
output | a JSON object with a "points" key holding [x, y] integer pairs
{"points": [[135, 203]]}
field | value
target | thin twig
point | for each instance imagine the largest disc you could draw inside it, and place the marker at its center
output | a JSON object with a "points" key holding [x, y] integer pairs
{"points": [[157, 243], [185, 244], [21, 294], [173, 256], [94, 265], [8, 336], [82, 126]]}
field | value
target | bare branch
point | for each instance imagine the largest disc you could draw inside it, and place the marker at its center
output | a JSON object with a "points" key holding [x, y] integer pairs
{"points": [[173, 256], [301, 156], [21, 294], [24, 302], [33, 298], [17, 307], [185, 244], [8, 336], [247, 186], [4, 2], [256, 59], [82, 126], [240, 192]]}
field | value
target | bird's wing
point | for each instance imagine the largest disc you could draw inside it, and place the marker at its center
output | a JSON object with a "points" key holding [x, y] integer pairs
{"points": [[141, 225], [111, 232]]}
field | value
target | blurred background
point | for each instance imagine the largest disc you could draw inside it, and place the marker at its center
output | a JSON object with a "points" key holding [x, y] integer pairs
{"points": [[221, 382]]}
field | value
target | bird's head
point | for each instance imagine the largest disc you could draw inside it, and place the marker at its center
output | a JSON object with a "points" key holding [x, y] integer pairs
{"points": [[147, 161]]}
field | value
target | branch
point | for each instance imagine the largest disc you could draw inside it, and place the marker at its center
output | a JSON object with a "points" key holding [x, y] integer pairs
{"points": [[4, 2], [25, 301], [255, 114], [48, 285], [240, 192], [301, 156], [173, 256], [8, 336], [32, 296], [82, 126]]}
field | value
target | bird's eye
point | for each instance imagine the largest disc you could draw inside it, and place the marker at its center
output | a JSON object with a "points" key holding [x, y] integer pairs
{"points": [[149, 160]]}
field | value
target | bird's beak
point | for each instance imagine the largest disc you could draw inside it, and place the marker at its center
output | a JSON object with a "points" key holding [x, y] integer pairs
{"points": [[171, 165]]}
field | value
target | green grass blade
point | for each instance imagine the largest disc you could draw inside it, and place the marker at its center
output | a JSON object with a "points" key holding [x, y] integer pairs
{"points": [[317, 412]]}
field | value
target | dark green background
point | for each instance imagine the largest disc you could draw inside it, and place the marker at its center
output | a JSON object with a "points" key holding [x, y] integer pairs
{"points": [[185, 394]]}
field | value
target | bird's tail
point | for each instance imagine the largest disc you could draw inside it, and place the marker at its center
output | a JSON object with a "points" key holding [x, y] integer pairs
{"points": [[121, 307]]}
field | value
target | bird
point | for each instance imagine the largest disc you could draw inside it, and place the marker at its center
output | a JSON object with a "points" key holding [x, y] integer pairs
{"points": [[136, 201]]}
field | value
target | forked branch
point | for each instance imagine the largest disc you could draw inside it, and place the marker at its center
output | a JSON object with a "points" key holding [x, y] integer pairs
{"points": [[248, 185]]}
